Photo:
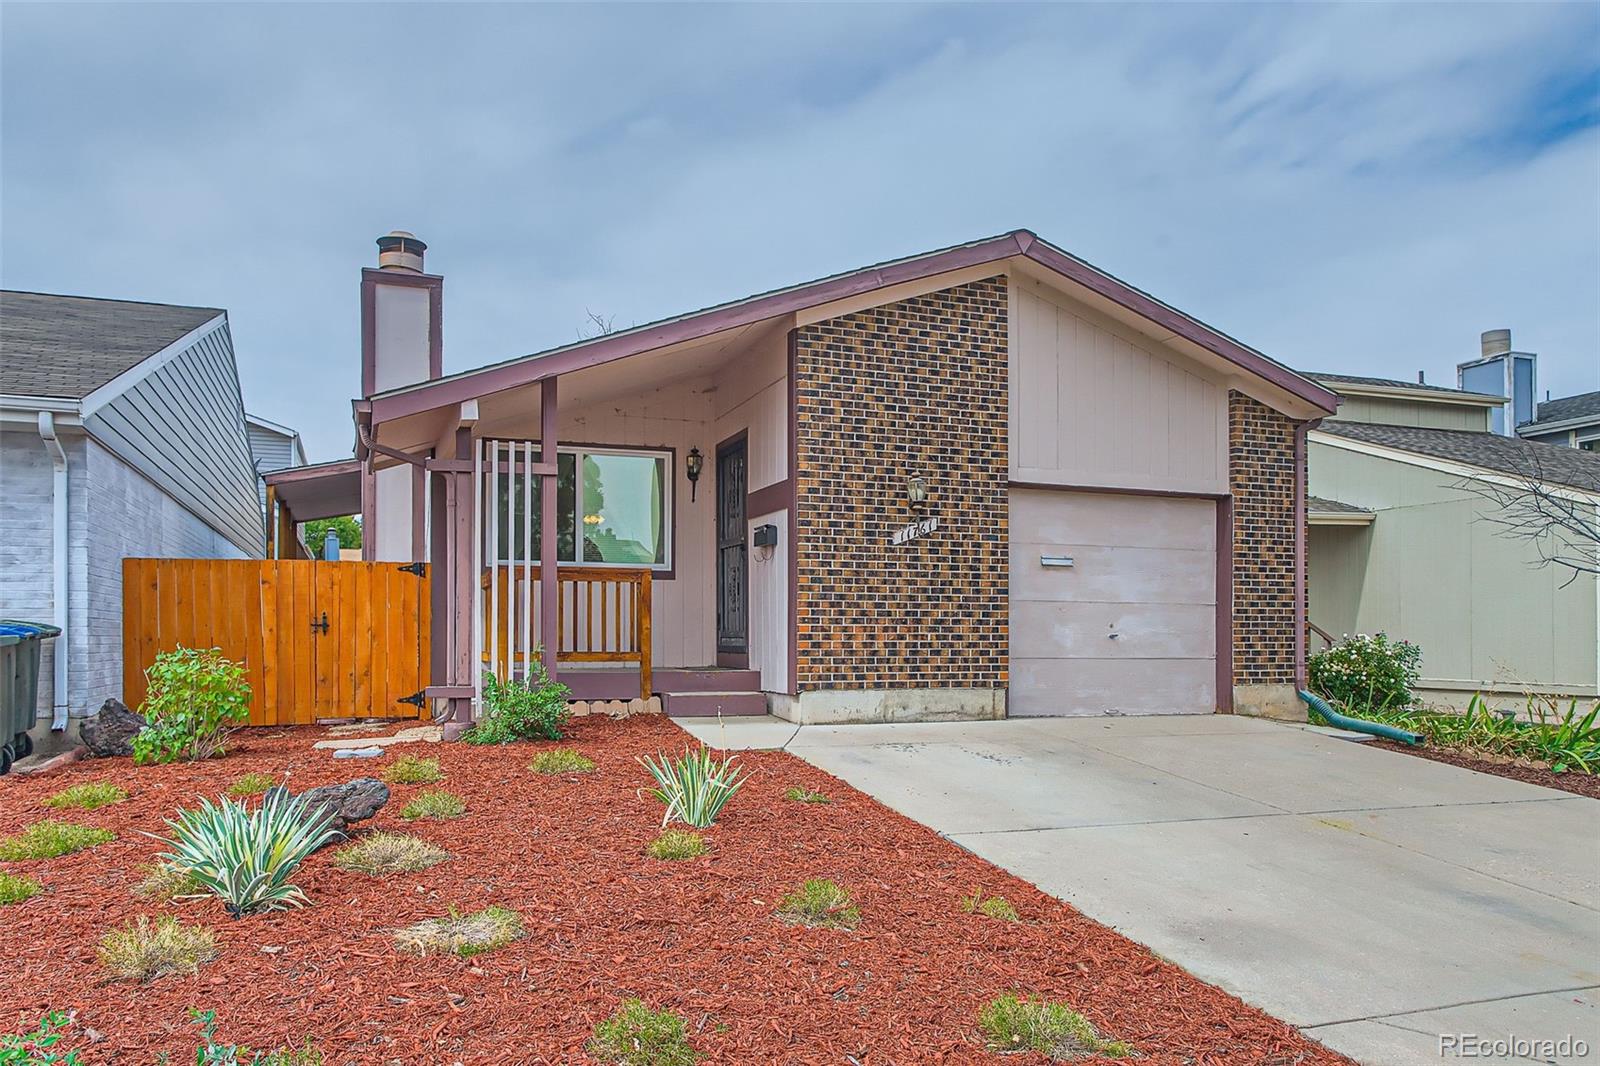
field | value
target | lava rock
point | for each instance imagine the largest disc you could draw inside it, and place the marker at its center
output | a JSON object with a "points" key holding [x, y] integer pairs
{"points": [[111, 731], [349, 801]]}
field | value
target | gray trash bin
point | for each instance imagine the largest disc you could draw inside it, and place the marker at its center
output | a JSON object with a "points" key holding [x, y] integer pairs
{"points": [[21, 644]]}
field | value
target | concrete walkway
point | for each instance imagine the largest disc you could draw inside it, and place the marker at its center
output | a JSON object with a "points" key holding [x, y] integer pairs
{"points": [[1374, 900]]}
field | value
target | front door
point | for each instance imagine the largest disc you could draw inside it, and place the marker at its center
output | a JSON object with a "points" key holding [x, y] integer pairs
{"points": [[733, 587]]}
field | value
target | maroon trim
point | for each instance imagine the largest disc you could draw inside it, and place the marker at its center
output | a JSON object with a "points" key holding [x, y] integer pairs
{"points": [[419, 513], [733, 660], [769, 498], [549, 589], [1224, 598], [371, 278], [460, 497], [1300, 431], [793, 686], [292, 474], [369, 514], [525, 370]]}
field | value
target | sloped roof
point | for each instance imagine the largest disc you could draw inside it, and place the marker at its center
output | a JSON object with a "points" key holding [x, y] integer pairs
{"points": [[1336, 380], [1583, 405], [1572, 467], [1323, 505], [68, 346]]}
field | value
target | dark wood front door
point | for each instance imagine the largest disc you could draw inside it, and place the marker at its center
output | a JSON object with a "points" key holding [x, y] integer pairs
{"points": [[733, 563]]}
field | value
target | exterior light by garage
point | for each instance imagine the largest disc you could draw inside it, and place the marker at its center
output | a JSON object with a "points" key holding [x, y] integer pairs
{"points": [[692, 464]]}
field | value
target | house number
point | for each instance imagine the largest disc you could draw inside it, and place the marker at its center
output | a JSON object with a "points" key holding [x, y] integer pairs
{"points": [[914, 530]]}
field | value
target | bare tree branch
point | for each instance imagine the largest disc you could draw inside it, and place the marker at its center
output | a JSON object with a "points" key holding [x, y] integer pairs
{"points": [[1563, 527], [598, 325]]}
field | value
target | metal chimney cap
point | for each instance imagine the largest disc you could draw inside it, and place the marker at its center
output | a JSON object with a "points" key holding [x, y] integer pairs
{"points": [[1494, 342], [400, 250]]}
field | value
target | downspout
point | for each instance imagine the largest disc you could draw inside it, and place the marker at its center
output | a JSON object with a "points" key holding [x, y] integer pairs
{"points": [[58, 565], [1301, 429]]}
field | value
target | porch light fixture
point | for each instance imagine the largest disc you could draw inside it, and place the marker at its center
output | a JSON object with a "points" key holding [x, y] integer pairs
{"points": [[593, 519], [692, 463], [917, 491]]}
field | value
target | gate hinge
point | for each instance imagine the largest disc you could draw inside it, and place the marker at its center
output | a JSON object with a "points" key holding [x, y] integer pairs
{"points": [[420, 569], [416, 699]]}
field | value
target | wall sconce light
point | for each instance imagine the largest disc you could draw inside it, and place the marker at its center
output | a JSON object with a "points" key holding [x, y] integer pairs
{"points": [[917, 491], [692, 464]]}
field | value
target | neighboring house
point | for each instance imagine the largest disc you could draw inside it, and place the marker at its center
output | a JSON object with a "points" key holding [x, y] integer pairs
{"points": [[1571, 422], [985, 480], [272, 447], [123, 435], [1400, 542]]}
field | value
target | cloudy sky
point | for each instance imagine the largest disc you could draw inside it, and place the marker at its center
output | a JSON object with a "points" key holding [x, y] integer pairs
{"points": [[1360, 188]]}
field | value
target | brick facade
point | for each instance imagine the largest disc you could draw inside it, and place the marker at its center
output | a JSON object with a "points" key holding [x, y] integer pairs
{"points": [[1261, 477], [915, 387]]}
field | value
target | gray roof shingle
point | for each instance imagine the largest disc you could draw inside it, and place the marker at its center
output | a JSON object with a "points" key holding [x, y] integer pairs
{"points": [[1335, 380], [68, 346], [1572, 467], [1323, 505], [1583, 405]]}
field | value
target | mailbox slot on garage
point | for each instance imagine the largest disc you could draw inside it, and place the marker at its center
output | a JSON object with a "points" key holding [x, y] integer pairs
{"points": [[1055, 560]]}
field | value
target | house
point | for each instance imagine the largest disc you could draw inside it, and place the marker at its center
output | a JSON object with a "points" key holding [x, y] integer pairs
{"points": [[1407, 482], [986, 480], [272, 447], [121, 433], [1570, 421]]}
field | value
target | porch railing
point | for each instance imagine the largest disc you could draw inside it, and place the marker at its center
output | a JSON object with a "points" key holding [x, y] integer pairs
{"points": [[602, 616]]}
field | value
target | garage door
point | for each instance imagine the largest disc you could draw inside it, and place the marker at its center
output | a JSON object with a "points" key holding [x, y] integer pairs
{"points": [[1113, 604]]}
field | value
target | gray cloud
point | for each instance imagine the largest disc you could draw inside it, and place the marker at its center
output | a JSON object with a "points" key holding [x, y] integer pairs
{"points": [[1350, 187]]}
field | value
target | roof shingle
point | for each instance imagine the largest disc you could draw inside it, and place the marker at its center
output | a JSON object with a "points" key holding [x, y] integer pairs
{"points": [[1583, 405], [1572, 467]]}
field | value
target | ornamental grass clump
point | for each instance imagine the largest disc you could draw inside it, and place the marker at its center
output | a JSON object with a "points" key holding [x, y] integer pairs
{"points": [[996, 907], [460, 934], [194, 702], [145, 950], [805, 795], [413, 770], [535, 708], [246, 857], [252, 784], [821, 904], [87, 797], [695, 787], [389, 853], [639, 1036], [1011, 1023], [561, 761], [677, 844], [434, 803], [51, 839], [16, 889], [163, 883]]}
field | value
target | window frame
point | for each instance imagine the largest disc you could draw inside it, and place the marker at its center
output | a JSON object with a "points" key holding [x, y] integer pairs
{"points": [[664, 570]]}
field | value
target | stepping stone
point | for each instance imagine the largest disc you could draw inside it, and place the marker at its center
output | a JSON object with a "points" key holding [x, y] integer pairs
{"points": [[357, 753]]}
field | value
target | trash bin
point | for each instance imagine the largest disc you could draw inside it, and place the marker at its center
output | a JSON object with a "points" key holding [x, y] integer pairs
{"points": [[20, 647]]}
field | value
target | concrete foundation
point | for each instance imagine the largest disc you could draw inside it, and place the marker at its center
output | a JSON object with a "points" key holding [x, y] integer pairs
{"points": [[1281, 703], [854, 706]]}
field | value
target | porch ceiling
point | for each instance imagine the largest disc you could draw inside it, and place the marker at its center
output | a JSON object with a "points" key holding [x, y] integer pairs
{"points": [[326, 490]]}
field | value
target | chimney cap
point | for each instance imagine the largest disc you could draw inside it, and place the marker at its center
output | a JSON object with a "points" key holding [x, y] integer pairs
{"points": [[1494, 342], [400, 250]]}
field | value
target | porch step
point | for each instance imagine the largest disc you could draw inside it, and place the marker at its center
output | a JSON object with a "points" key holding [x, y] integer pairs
{"points": [[709, 704], [705, 679]]}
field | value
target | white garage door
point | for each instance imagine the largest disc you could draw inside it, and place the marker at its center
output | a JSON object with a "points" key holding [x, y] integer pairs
{"points": [[1128, 626]]}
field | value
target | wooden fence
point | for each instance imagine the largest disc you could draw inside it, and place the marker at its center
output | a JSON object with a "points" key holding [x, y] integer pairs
{"points": [[317, 639]]}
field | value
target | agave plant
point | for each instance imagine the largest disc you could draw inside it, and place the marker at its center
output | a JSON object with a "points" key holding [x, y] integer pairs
{"points": [[695, 787], [246, 857]]}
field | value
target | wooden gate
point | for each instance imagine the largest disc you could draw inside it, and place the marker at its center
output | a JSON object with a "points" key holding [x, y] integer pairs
{"points": [[318, 639]]}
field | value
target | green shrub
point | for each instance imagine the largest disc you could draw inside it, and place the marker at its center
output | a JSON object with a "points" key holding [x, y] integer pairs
{"points": [[532, 709], [561, 761], [252, 784], [1367, 671], [389, 853], [145, 951], [87, 797], [215, 1053], [695, 787], [995, 907], [194, 700], [413, 770], [805, 795], [639, 1036], [163, 882], [34, 1049], [465, 935], [15, 889], [677, 844], [434, 803], [50, 839], [1014, 1024], [246, 857], [1566, 740], [820, 903]]}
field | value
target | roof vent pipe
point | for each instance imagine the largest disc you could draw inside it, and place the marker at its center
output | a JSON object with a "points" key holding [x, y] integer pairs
{"points": [[399, 250], [1494, 342]]}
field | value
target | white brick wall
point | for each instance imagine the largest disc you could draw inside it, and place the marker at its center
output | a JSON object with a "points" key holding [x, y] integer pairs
{"points": [[114, 513]]}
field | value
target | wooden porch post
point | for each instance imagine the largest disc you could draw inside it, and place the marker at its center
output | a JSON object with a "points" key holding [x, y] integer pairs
{"points": [[549, 465], [272, 520]]}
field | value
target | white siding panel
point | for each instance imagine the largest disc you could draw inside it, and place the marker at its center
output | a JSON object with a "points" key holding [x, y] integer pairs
{"points": [[769, 606]]}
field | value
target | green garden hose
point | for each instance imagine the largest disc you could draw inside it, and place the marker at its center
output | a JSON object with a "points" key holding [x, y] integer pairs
{"points": [[1356, 725]]}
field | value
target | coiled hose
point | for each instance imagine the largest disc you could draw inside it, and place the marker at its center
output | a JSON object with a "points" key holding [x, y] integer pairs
{"points": [[1357, 725]]}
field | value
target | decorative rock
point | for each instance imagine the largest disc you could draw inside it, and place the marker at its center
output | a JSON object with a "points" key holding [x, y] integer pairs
{"points": [[358, 753], [349, 801], [111, 731]]}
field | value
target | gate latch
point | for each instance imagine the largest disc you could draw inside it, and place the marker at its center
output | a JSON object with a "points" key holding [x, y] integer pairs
{"points": [[322, 625], [416, 699], [420, 569]]}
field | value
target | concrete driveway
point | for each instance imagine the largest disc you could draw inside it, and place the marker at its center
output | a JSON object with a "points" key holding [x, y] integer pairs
{"points": [[1374, 900]]}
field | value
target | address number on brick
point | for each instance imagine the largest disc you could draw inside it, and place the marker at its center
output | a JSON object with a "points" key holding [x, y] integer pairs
{"points": [[914, 530]]}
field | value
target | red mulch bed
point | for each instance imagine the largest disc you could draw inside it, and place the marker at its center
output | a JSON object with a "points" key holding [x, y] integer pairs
{"points": [[698, 937], [1577, 783]]}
